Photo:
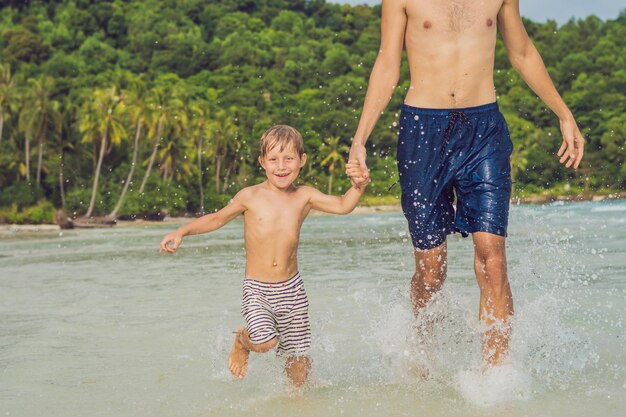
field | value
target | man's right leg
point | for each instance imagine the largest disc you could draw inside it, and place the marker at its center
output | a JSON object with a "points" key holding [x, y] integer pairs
{"points": [[430, 274]]}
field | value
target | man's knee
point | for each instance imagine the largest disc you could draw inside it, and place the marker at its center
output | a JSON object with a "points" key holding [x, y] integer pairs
{"points": [[489, 247], [430, 280], [492, 275], [430, 267], [490, 254], [490, 258]]}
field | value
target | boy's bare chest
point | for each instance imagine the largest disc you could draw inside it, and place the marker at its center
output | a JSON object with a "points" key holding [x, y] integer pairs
{"points": [[278, 217]]}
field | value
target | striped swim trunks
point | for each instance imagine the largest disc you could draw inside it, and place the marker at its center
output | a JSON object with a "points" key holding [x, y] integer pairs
{"points": [[278, 309]]}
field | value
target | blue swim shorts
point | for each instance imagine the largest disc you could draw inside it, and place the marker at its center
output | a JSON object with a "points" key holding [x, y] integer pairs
{"points": [[443, 152]]}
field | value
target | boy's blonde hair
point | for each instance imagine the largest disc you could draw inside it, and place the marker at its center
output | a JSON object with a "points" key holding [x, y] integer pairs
{"points": [[283, 136]]}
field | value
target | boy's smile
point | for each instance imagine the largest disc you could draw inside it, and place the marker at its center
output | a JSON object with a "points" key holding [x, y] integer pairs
{"points": [[282, 167]]}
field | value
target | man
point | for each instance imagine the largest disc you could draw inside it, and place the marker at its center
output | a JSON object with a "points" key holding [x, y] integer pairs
{"points": [[454, 141]]}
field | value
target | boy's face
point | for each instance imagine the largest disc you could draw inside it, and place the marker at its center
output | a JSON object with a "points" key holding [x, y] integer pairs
{"points": [[282, 168]]}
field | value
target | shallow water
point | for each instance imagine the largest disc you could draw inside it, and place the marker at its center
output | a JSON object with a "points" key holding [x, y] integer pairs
{"points": [[98, 323]]}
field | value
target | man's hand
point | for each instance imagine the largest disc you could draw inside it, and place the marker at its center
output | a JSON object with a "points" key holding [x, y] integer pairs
{"points": [[357, 155], [175, 238], [353, 170], [571, 151]]}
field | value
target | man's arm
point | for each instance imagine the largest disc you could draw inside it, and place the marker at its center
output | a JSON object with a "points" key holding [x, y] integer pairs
{"points": [[205, 224], [382, 81], [527, 61], [333, 204]]}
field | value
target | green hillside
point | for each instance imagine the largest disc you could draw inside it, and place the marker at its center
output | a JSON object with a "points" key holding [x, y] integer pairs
{"points": [[174, 94]]}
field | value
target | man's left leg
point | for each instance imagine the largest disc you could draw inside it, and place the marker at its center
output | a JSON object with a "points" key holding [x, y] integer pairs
{"points": [[496, 300]]}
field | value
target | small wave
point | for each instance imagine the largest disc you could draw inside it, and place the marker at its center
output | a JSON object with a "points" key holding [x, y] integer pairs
{"points": [[499, 384], [620, 207]]}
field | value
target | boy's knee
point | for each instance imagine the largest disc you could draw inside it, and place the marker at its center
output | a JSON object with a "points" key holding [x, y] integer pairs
{"points": [[265, 346]]}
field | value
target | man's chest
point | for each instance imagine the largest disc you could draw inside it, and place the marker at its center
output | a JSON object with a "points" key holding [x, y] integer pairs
{"points": [[453, 15]]}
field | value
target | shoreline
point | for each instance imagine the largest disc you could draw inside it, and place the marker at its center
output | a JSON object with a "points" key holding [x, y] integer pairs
{"points": [[11, 229]]}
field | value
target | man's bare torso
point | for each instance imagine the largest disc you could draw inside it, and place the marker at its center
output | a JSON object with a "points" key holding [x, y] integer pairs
{"points": [[450, 46], [272, 225]]}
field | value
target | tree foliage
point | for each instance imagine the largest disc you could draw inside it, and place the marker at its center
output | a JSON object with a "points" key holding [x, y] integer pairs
{"points": [[125, 101]]}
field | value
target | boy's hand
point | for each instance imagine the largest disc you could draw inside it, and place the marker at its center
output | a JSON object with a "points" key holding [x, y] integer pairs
{"points": [[354, 171], [175, 238], [358, 155]]}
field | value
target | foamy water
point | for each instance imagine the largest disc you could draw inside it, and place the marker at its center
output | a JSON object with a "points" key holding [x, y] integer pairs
{"points": [[98, 323]]}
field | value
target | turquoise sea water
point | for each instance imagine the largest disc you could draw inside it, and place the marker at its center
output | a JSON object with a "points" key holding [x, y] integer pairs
{"points": [[98, 323]]}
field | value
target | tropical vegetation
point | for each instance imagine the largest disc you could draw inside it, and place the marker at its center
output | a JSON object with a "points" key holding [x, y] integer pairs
{"points": [[132, 108]]}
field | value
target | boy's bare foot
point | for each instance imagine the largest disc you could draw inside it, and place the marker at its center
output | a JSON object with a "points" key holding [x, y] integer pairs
{"points": [[238, 359]]}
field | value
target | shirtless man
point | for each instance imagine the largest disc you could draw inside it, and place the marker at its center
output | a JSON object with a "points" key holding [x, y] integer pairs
{"points": [[454, 140]]}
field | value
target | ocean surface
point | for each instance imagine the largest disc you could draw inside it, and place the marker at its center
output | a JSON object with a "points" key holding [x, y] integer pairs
{"points": [[98, 323]]}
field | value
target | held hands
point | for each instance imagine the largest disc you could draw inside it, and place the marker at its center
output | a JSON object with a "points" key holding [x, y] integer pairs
{"points": [[174, 238], [359, 175], [572, 149], [355, 172]]}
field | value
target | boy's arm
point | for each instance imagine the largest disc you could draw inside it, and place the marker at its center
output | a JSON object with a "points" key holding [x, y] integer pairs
{"points": [[382, 82], [527, 61], [205, 224], [333, 204]]}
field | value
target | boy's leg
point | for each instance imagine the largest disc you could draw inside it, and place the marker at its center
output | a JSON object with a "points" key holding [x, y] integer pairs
{"points": [[294, 329], [297, 369], [496, 300], [242, 346]]}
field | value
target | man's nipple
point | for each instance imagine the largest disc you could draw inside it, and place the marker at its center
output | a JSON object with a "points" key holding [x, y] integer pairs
{"points": [[489, 22], [427, 24]]}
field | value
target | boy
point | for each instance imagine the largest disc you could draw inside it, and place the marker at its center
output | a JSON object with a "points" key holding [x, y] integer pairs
{"points": [[274, 305]]}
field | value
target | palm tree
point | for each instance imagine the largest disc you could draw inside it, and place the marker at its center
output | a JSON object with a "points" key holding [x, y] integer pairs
{"points": [[334, 157], [164, 107], [68, 115], [7, 93], [11, 159], [100, 120], [173, 159], [25, 127], [519, 156], [136, 99], [222, 134], [42, 117], [199, 132]]}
